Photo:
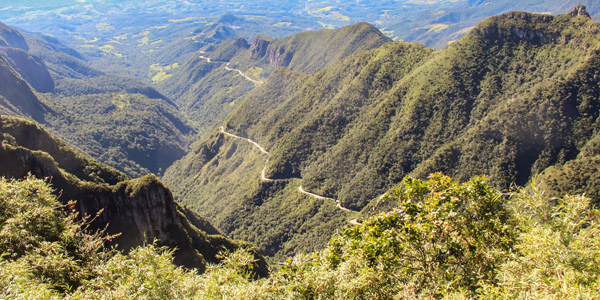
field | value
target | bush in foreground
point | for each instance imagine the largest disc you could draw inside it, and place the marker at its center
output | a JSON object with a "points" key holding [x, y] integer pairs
{"points": [[443, 239]]}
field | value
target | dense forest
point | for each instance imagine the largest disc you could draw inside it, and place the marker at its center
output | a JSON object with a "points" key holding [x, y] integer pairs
{"points": [[327, 164], [132, 211], [515, 98]]}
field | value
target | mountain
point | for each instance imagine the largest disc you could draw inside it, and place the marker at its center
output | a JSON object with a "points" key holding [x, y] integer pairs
{"points": [[10, 37], [139, 209], [512, 98], [30, 67], [308, 52], [208, 87], [16, 95], [120, 121], [440, 27]]}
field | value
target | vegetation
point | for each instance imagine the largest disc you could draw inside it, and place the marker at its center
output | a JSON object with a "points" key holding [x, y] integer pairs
{"points": [[514, 97], [20, 133], [309, 52], [137, 210], [207, 93], [146, 135], [82, 105], [442, 240], [18, 98]]}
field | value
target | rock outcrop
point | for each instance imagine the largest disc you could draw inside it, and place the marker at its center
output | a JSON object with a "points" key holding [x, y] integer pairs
{"points": [[140, 210], [579, 11], [259, 46]]}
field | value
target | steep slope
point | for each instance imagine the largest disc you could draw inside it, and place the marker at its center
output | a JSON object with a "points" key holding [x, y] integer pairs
{"points": [[223, 166], [140, 209], [131, 132], [32, 68], [208, 87], [119, 121], [515, 96], [16, 96], [308, 52], [10, 37], [438, 28]]}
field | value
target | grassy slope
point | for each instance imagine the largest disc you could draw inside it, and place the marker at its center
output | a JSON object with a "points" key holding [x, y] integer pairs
{"points": [[440, 28], [503, 101]]}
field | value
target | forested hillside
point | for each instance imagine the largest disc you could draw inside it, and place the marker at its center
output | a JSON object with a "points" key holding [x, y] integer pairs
{"points": [[119, 121], [134, 211], [440, 239], [211, 85], [512, 98], [363, 168]]}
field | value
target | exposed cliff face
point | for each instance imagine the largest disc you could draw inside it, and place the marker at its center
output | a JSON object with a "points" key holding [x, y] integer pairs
{"points": [[308, 52], [275, 53], [579, 10], [260, 45], [140, 209], [534, 28], [507, 100]]}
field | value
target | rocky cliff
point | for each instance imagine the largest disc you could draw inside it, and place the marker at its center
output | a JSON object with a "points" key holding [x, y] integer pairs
{"points": [[141, 210]]}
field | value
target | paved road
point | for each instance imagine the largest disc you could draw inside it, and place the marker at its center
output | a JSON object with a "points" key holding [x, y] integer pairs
{"points": [[300, 188], [204, 57], [235, 70], [242, 73], [243, 138]]}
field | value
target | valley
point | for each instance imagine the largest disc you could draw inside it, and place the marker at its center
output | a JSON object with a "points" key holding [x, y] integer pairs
{"points": [[304, 149]]}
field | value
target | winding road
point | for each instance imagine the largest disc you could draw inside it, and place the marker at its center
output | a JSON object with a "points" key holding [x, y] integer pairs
{"points": [[234, 70], [263, 177], [242, 73], [246, 139], [204, 57]]}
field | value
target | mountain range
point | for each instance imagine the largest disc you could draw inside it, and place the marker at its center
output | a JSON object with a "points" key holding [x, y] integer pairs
{"points": [[514, 99], [282, 141]]}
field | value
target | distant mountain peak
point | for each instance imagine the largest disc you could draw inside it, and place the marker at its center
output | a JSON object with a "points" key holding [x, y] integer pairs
{"points": [[229, 19]]}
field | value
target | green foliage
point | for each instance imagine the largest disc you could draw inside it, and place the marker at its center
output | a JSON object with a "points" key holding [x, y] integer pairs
{"points": [[141, 209], [309, 52], [557, 253], [144, 273], [443, 240], [449, 241], [253, 207], [44, 250], [441, 235], [207, 93], [130, 132], [119, 121], [515, 96], [17, 132], [48, 252]]}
